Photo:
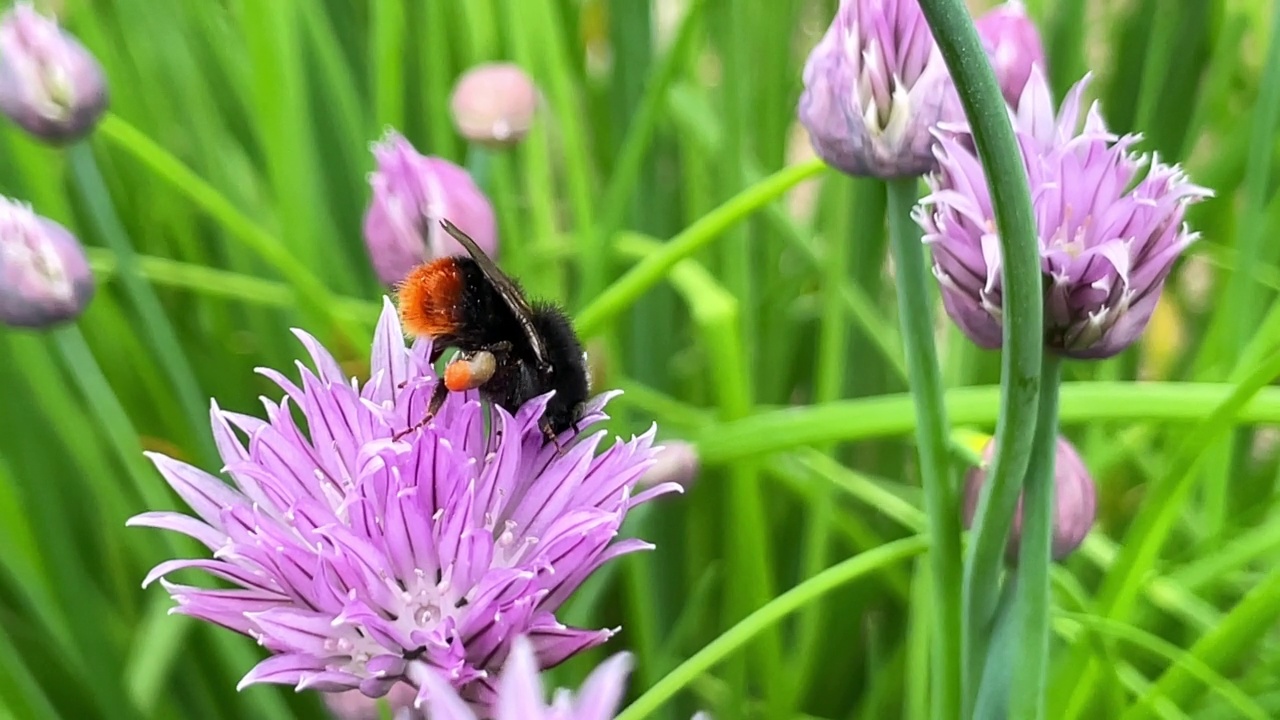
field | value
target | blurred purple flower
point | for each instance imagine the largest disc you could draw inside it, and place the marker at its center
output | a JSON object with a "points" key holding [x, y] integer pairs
{"points": [[44, 275], [1075, 500], [1108, 232], [360, 562], [1013, 46], [411, 193], [50, 85], [873, 87], [520, 695]]}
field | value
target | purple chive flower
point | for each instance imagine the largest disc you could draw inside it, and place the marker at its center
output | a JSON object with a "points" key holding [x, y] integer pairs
{"points": [[1109, 232], [50, 85], [1013, 46], [411, 193], [361, 562], [44, 275], [873, 87], [1075, 500]]}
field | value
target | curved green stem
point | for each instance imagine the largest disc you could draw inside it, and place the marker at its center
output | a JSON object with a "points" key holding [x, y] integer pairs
{"points": [[786, 603], [1029, 672], [770, 431], [317, 297], [916, 315], [1023, 319], [155, 323]]}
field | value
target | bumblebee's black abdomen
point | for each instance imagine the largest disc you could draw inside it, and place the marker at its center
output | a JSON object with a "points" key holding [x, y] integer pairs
{"points": [[568, 368]]}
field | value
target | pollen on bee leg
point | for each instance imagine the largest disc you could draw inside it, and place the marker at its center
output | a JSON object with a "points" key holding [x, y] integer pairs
{"points": [[470, 371]]}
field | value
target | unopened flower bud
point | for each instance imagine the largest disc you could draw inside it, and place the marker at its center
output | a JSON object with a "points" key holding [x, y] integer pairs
{"points": [[411, 194], [1075, 502], [1013, 45], [873, 87], [49, 83], [677, 463], [494, 104], [44, 275]]}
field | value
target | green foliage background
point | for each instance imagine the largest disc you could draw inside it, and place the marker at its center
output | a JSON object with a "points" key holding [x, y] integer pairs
{"points": [[221, 201]]}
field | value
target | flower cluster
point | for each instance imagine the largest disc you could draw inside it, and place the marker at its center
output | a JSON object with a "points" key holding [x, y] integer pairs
{"points": [[1110, 226], [361, 561]]}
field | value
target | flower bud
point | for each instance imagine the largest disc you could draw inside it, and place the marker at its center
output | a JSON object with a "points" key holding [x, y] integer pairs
{"points": [[49, 83], [1075, 502], [677, 463], [494, 104], [44, 275], [1013, 45], [873, 87], [411, 193], [1109, 225]]}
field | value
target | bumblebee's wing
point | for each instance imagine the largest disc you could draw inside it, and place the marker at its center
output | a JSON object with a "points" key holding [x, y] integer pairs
{"points": [[506, 288]]}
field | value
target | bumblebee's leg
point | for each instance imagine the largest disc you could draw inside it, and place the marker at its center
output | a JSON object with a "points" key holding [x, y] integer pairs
{"points": [[438, 395], [550, 435]]}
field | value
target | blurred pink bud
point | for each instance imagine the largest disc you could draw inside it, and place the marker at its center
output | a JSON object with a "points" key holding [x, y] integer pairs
{"points": [[1075, 502], [49, 83], [44, 276], [1013, 45], [677, 462], [494, 104], [411, 193]]}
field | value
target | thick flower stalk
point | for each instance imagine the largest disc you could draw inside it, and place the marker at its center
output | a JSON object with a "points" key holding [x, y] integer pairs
{"points": [[50, 85], [360, 561], [873, 87], [1075, 500], [44, 275], [411, 194], [1013, 45], [1109, 221]]}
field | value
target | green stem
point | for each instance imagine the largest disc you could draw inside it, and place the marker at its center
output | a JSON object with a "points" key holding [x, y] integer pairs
{"points": [[1023, 312], [316, 297], [892, 415], [809, 591], [155, 323], [1034, 553], [916, 314], [650, 271]]}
